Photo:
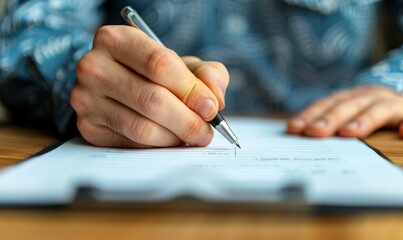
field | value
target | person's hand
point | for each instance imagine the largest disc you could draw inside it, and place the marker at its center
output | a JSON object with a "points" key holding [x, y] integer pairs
{"points": [[351, 113], [133, 92]]}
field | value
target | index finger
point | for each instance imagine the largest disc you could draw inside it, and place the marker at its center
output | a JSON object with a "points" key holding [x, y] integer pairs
{"points": [[134, 49]]}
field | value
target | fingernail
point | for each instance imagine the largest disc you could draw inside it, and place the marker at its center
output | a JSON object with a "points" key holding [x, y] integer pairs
{"points": [[298, 123], [206, 108], [352, 125], [319, 124]]}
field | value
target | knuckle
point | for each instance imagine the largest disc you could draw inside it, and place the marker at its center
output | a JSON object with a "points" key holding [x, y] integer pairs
{"points": [[220, 68], [365, 91], [346, 108], [320, 102], [392, 104], [372, 117], [317, 107], [192, 129], [338, 95], [335, 117], [90, 72], [370, 88], [220, 71], [79, 101], [106, 36], [160, 62], [191, 59], [140, 131], [374, 91], [150, 101], [217, 65], [87, 68], [213, 69], [356, 105]]}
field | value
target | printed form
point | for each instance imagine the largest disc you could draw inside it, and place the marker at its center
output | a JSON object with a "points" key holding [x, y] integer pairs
{"points": [[332, 171]]}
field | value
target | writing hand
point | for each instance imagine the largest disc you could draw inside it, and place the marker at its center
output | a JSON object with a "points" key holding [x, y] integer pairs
{"points": [[133, 92]]}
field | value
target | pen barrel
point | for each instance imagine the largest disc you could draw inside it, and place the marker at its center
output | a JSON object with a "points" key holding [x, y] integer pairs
{"points": [[217, 120]]}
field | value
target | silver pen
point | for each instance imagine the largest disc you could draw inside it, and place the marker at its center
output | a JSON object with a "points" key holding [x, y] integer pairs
{"points": [[219, 123]]}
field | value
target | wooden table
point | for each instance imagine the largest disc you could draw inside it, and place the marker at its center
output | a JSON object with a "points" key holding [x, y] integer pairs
{"points": [[17, 143]]}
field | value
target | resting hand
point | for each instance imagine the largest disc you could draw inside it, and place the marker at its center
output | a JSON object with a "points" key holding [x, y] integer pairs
{"points": [[351, 113], [133, 92]]}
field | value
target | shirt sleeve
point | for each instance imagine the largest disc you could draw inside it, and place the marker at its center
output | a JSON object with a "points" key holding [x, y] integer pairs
{"points": [[41, 42], [388, 72]]}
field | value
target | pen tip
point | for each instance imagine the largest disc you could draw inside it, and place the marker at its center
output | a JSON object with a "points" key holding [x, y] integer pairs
{"points": [[237, 144]]}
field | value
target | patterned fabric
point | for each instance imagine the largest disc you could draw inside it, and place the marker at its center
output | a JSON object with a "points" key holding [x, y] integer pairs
{"points": [[281, 54]]}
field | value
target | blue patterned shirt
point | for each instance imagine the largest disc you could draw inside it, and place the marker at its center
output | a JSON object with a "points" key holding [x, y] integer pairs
{"points": [[281, 54]]}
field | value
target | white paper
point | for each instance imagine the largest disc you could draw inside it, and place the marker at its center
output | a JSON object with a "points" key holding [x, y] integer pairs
{"points": [[333, 171]]}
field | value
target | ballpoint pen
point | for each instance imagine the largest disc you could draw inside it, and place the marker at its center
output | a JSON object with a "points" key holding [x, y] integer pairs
{"points": [[219, 123]]}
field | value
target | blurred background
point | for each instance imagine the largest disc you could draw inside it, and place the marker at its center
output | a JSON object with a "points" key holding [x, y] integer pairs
{"points": [[2, 109]]}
